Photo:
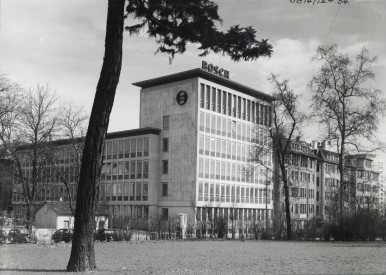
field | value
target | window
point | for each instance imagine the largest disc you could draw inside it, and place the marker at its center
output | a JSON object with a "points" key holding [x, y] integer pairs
{"points": [[127, 148], [165, 144], [166, 122], [202, 121], [218, 105], [146, 147], [200, 189], [145, 169], [207, 98], [202, 96], [126, 169], [139, 169], [115, 150], [139, 147], [165, 167], [109, 150], [144, 191], [200, 168], [132, 190], [132, 169], [138, 191], [115, 170], [164, 189], [213, 124], [120, 170], [165, 213], [133, 148], [213, 99], [121, 148], [224, 102]]}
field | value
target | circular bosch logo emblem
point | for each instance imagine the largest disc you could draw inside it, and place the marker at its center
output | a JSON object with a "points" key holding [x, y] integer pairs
{"points": [[182, 97]]}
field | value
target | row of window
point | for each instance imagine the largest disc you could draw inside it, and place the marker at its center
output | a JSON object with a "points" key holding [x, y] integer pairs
{"points": [[304, 193], [216, 192], [331, 169], [331, 182], [59, 155], [133, 169], [302, 208], [301, 148], [229, 128], [124, 191], [130, 148], [236, 106], [208, 213], [300, 160], [54, 174], [48, 193], [230, 171], [297, 176], [129, 211], [222, 148]]}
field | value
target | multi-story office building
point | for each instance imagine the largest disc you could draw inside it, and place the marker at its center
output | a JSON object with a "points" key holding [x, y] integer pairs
{"points": [[192, 151], [209, 126]]}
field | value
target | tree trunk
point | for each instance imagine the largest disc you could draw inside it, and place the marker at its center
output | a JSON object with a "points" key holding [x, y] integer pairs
{"points": [[82, 253], [286, 196], [287, 210], [341, 183]]}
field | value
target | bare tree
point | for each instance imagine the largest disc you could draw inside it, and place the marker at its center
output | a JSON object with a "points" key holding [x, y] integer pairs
{"points": [[285, 126], [25, 138], [345, 105], [10, 95], [72, 128]]}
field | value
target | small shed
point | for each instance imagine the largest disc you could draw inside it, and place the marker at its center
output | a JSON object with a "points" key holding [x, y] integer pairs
{"points": [[57, 215]]}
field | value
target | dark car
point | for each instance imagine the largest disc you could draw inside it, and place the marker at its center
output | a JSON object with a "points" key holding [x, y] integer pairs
{"points": [[103, 235], [3, 237], [19, 235], [62, 235]]}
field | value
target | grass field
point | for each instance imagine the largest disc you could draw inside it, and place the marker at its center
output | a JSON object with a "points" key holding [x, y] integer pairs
{"points": [[203, 257]]}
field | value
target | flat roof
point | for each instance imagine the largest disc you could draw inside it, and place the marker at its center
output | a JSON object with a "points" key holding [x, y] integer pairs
{"points": [[126, 133], [134, 132], [205, 75]]}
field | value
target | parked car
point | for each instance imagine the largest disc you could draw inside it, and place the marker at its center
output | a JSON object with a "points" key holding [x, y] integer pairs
{"points": [[62, 235], [3, 237], [104, 235], [19, 235]]}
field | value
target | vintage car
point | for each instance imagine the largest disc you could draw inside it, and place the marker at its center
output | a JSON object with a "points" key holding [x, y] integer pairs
{"points": [[62, 235], [19, 235]]}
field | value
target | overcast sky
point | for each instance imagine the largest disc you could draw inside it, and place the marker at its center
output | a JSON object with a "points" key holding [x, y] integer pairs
{"points": [[61, 42]]}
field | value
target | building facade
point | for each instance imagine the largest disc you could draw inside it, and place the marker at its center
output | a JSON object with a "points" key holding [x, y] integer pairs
{"points": [[209, 126], [191, 152], [361, 186]]}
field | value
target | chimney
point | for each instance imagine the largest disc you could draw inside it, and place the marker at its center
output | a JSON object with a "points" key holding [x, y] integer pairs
{"points": [[314, 145]]}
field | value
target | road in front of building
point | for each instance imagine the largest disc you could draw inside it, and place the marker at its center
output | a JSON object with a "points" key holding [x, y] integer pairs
{"points": [[203, 257]]}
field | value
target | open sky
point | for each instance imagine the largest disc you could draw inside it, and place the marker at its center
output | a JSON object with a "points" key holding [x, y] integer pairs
{"points": [[61, 42]]}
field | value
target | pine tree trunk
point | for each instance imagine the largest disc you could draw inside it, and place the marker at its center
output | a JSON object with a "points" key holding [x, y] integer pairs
{"points": [[82, 253]]}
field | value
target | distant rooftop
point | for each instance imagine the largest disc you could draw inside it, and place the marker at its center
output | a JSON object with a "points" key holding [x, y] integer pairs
{"points": [[205, 75], [119, 134]]}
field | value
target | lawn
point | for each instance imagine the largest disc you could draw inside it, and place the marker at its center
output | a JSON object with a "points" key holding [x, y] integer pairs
{"points": [[204, 257]]}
